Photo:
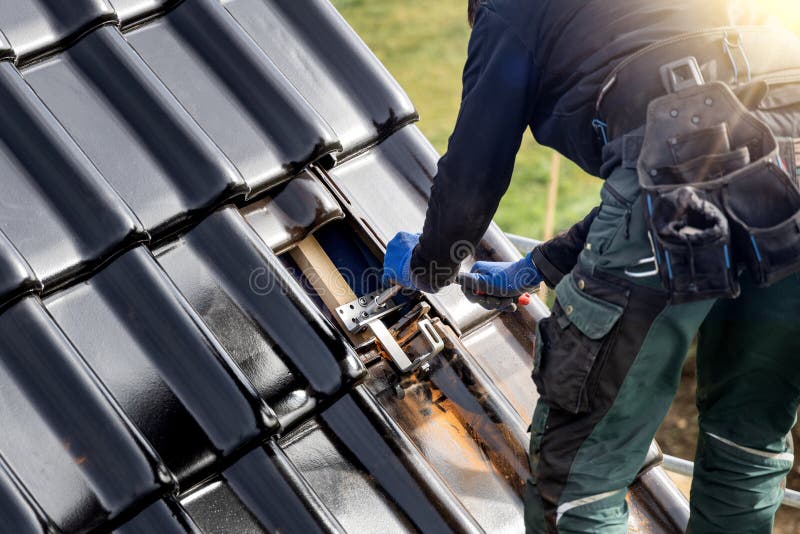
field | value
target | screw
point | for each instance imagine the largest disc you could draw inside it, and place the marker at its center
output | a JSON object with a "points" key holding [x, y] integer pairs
{"points": [[364, 315], [362, 301], [673, 113], [696, 120], [709, 101]]}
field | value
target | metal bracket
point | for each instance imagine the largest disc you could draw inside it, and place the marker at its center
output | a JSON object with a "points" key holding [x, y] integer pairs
{"points": [[728, 47], [396, 352], [433, 338], [355, 315], [681, 74], [392, 347]]}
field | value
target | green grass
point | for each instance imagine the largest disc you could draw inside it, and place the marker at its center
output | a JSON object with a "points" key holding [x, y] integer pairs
{"points": [[423, 43]]}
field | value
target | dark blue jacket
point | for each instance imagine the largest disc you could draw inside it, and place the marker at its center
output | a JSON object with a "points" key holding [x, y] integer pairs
{"points": [[535, 64]]}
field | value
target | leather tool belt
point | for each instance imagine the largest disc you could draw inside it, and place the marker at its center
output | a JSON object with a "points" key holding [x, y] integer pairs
{"points": [[720, 188], [718, 197], [735, 56]]}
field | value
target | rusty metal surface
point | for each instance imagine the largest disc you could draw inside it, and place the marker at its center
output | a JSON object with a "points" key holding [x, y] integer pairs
{"points": [[508, 360]]}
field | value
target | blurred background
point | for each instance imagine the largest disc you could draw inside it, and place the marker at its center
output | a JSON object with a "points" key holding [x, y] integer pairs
{"points": [[423, 43]]}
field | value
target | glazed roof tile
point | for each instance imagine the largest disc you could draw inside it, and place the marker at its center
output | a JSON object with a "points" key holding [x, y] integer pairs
{"points": [[164, 365]]}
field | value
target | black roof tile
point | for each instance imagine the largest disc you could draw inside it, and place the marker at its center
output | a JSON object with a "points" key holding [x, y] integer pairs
{"points": [[246, 106], [366, 443], [168, 373], [132, 12], [36, 27], [293, 212], [346, 489], [16, 276], [5, 48], [387, 186], [59, 212], [330, 66], [91, 464], [259, 313], [18, 510], [137, 134], [261, 486], [263, 491], [162, 517], [214, 507]]}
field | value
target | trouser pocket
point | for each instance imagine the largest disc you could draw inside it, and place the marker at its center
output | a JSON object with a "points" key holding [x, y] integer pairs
{"points": [[574, 340]]}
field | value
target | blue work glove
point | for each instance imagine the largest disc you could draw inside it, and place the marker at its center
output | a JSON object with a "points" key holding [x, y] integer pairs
{"points": [[397, 262], [502, 279]]}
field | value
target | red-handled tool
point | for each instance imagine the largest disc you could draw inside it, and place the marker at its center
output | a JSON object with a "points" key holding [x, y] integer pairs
{"points": [[504, 304]]}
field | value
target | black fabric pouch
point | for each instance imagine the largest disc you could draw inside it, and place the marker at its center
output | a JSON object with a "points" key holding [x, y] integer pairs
{"points": [[763, 206], [707, 168], [702, 142], [693, 239], [741, 209]]}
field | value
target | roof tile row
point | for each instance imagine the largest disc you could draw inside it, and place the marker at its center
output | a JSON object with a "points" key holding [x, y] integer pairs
{"points": [[161, 368], [126, 138], [145, 371]]}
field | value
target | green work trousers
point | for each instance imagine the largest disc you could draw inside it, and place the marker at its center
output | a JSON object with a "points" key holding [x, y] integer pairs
{"points": [[608, 364]]}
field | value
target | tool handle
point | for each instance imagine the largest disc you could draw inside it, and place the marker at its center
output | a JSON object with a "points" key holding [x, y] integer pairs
{"points": [[492, 302]]}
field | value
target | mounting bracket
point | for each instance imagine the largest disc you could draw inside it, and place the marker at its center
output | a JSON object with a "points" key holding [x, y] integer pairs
{"points": [[363, 314], [356, 314]]}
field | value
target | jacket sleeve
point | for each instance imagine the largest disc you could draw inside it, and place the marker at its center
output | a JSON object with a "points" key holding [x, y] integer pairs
{"points": [[558, 256], [499, 90]]}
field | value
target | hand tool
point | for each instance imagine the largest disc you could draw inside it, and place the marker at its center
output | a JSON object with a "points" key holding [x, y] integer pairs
{"points": [[504, 304]]}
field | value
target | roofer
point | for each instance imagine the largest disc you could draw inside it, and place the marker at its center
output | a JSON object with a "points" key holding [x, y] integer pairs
{"points": [[699, 206]]}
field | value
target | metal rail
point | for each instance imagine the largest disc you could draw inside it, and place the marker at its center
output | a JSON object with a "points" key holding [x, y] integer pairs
{"points": [[791, 498], [523, 244]]}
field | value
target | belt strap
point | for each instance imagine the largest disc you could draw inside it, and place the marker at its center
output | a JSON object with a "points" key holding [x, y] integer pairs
{"points": [[735, 56]]}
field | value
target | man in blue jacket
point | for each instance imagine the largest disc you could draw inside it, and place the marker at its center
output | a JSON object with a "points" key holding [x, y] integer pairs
{"points": [[638, 278]]}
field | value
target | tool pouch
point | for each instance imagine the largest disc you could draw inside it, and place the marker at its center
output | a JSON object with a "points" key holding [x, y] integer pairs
{"points": [[717, 195], [692, 240], [763, 206]]}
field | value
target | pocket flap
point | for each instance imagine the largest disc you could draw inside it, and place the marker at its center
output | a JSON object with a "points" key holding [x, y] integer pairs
{"points": [[594, 317]]}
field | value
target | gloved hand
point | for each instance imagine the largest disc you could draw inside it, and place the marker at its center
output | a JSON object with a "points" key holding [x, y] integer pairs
{"points": [[502, 279], [397, 262]]}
